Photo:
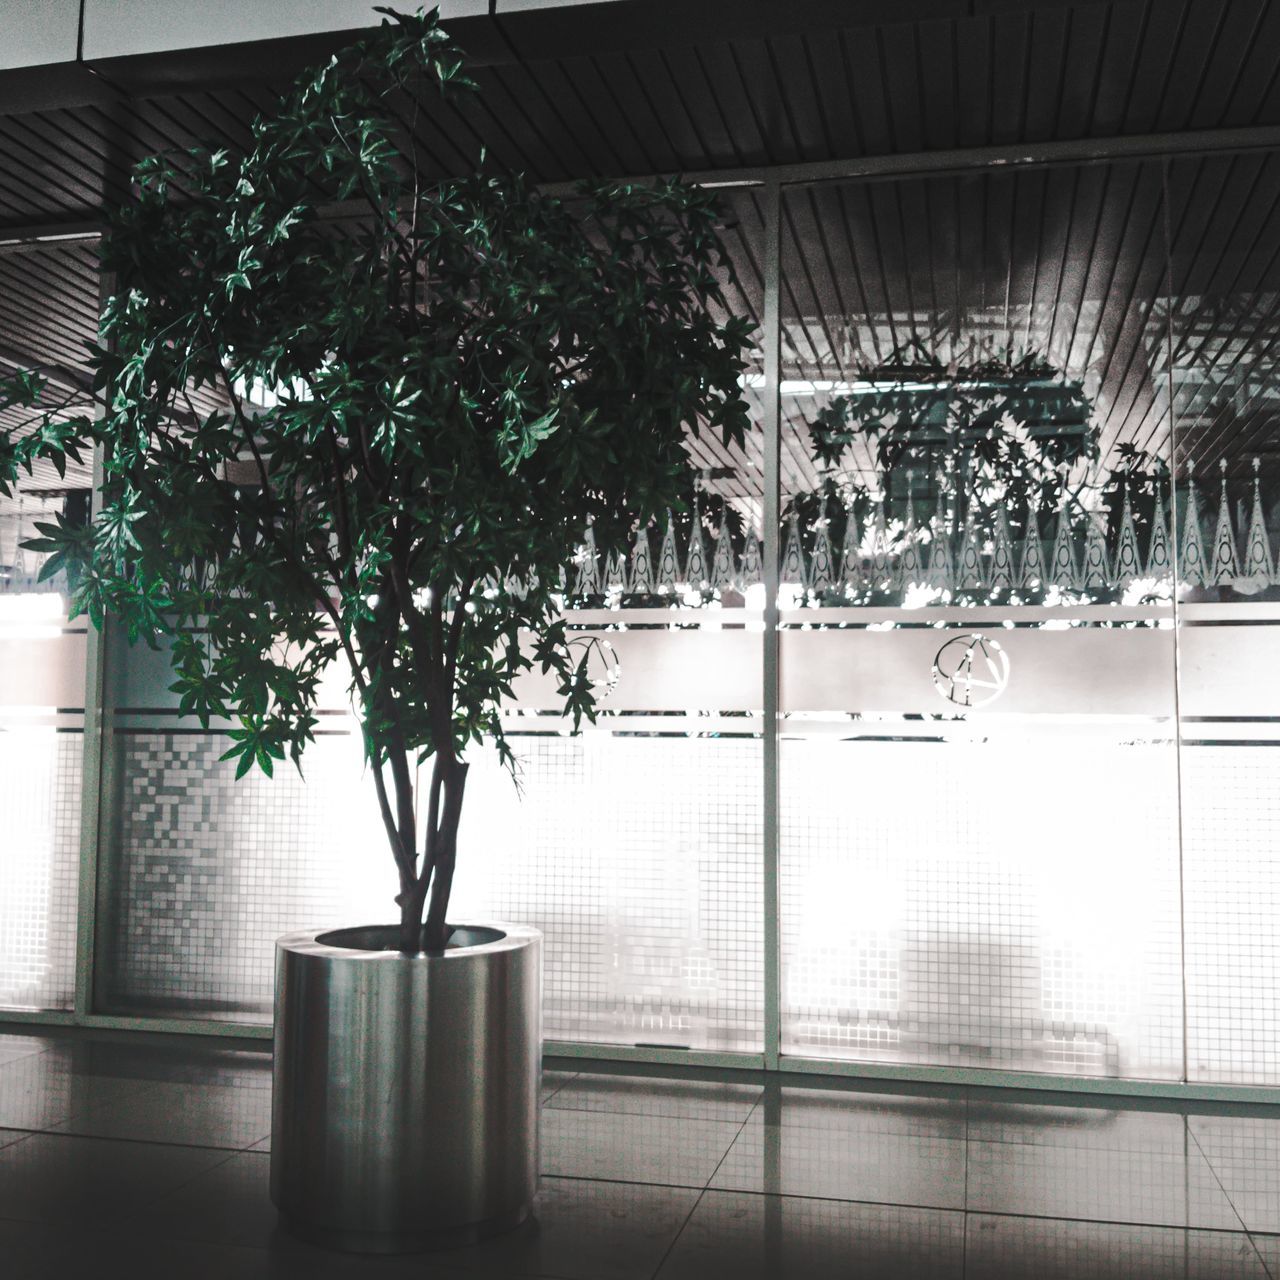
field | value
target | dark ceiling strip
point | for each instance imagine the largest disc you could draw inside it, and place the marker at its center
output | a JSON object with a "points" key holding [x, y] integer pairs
{"points": [[1167, 79], [1107, 254], [835, 277], [1134, 316], [1100, 63], [1264, 53], [1214, 428], [750, 99], [1206, 65], [548, 143], [29, 163], [829, 146], [819, 312], [869, 194], [606, 84], [905, 256], [1061, 272], [680, 90], [1089, 260], [938, 327], [1139, 47], [568, 95], [1223, 190], [107, 180], [958, 160]]}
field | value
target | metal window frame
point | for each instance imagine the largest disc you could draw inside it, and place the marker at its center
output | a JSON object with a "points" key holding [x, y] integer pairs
{"points": [[773, 181]]}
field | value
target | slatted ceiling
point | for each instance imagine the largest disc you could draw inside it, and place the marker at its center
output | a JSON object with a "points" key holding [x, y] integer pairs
{"points": [[734, 106], [668, 134], [45, 307], [1126, 342], [1019, 75], [596, 101], [48, 304], [741, 477], [1068, 262], [1250, 93], [507, 127], [1058, 55], [440, 136], [71, 183], [1226, 330], [1103, 112], [1192, 65], [569, 113], [39, 132]]}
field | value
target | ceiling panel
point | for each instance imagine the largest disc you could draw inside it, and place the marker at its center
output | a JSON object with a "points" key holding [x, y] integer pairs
{"points": [[802, 92]]}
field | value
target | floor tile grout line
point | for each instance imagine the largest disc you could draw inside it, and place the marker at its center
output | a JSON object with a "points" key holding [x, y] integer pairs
{"points": [[932, 1208], [1266, 1270], [543, 1101], [662, 1262], [1262, 1258], [675, 1240], [646, 1115], [624, 1182], [1204, 1155], [178, 1186], [141, 1142]]}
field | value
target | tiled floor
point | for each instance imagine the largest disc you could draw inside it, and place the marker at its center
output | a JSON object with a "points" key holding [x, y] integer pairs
{"points": [[149, 1157]]}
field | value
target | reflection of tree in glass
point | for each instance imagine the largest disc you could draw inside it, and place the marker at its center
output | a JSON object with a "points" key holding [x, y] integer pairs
{"points": [[971, 482]]}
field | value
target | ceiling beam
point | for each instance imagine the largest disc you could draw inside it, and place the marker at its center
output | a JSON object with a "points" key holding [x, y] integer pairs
{"points": [[32, 237]]}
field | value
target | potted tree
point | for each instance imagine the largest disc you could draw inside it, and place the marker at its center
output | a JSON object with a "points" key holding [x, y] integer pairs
{"points": [[354, 414]]}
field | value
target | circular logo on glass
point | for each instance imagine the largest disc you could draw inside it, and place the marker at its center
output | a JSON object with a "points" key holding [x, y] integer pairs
{"points": [[971, 670], [599, 662]]}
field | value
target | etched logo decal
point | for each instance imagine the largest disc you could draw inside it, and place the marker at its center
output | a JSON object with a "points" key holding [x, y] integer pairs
{"points": [[971, 670]]}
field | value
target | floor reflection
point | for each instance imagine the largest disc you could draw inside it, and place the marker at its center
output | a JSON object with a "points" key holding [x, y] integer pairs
{"points": [[150, 1156]]}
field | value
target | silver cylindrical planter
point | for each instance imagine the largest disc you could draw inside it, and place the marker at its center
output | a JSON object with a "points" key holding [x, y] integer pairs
{"points": [[405, 1107]]}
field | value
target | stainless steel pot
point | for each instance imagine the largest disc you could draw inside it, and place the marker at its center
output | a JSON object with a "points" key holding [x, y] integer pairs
{"points": [[405, 1107]]}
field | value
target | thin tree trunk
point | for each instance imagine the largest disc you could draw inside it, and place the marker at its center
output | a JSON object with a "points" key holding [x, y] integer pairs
{"points": [[446, 852], [412, 900]]}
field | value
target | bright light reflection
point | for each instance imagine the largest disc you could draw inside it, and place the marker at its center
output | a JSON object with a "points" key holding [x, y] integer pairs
{"points": [[28, 776], [35, 615]]}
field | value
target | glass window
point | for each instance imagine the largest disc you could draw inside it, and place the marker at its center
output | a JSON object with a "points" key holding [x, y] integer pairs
{"points": [[1223, 314], [979, 861]]}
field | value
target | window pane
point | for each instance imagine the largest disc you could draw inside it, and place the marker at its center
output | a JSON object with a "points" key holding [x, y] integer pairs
{"points": [[1224, 319], [45, 315], [979, 839]]}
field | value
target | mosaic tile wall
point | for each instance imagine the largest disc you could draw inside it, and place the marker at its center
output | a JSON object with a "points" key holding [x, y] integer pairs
{"points": [[1009, 903], [639, 859], [927, 917], [40, 772], [1231, 838], [207, 873]]}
